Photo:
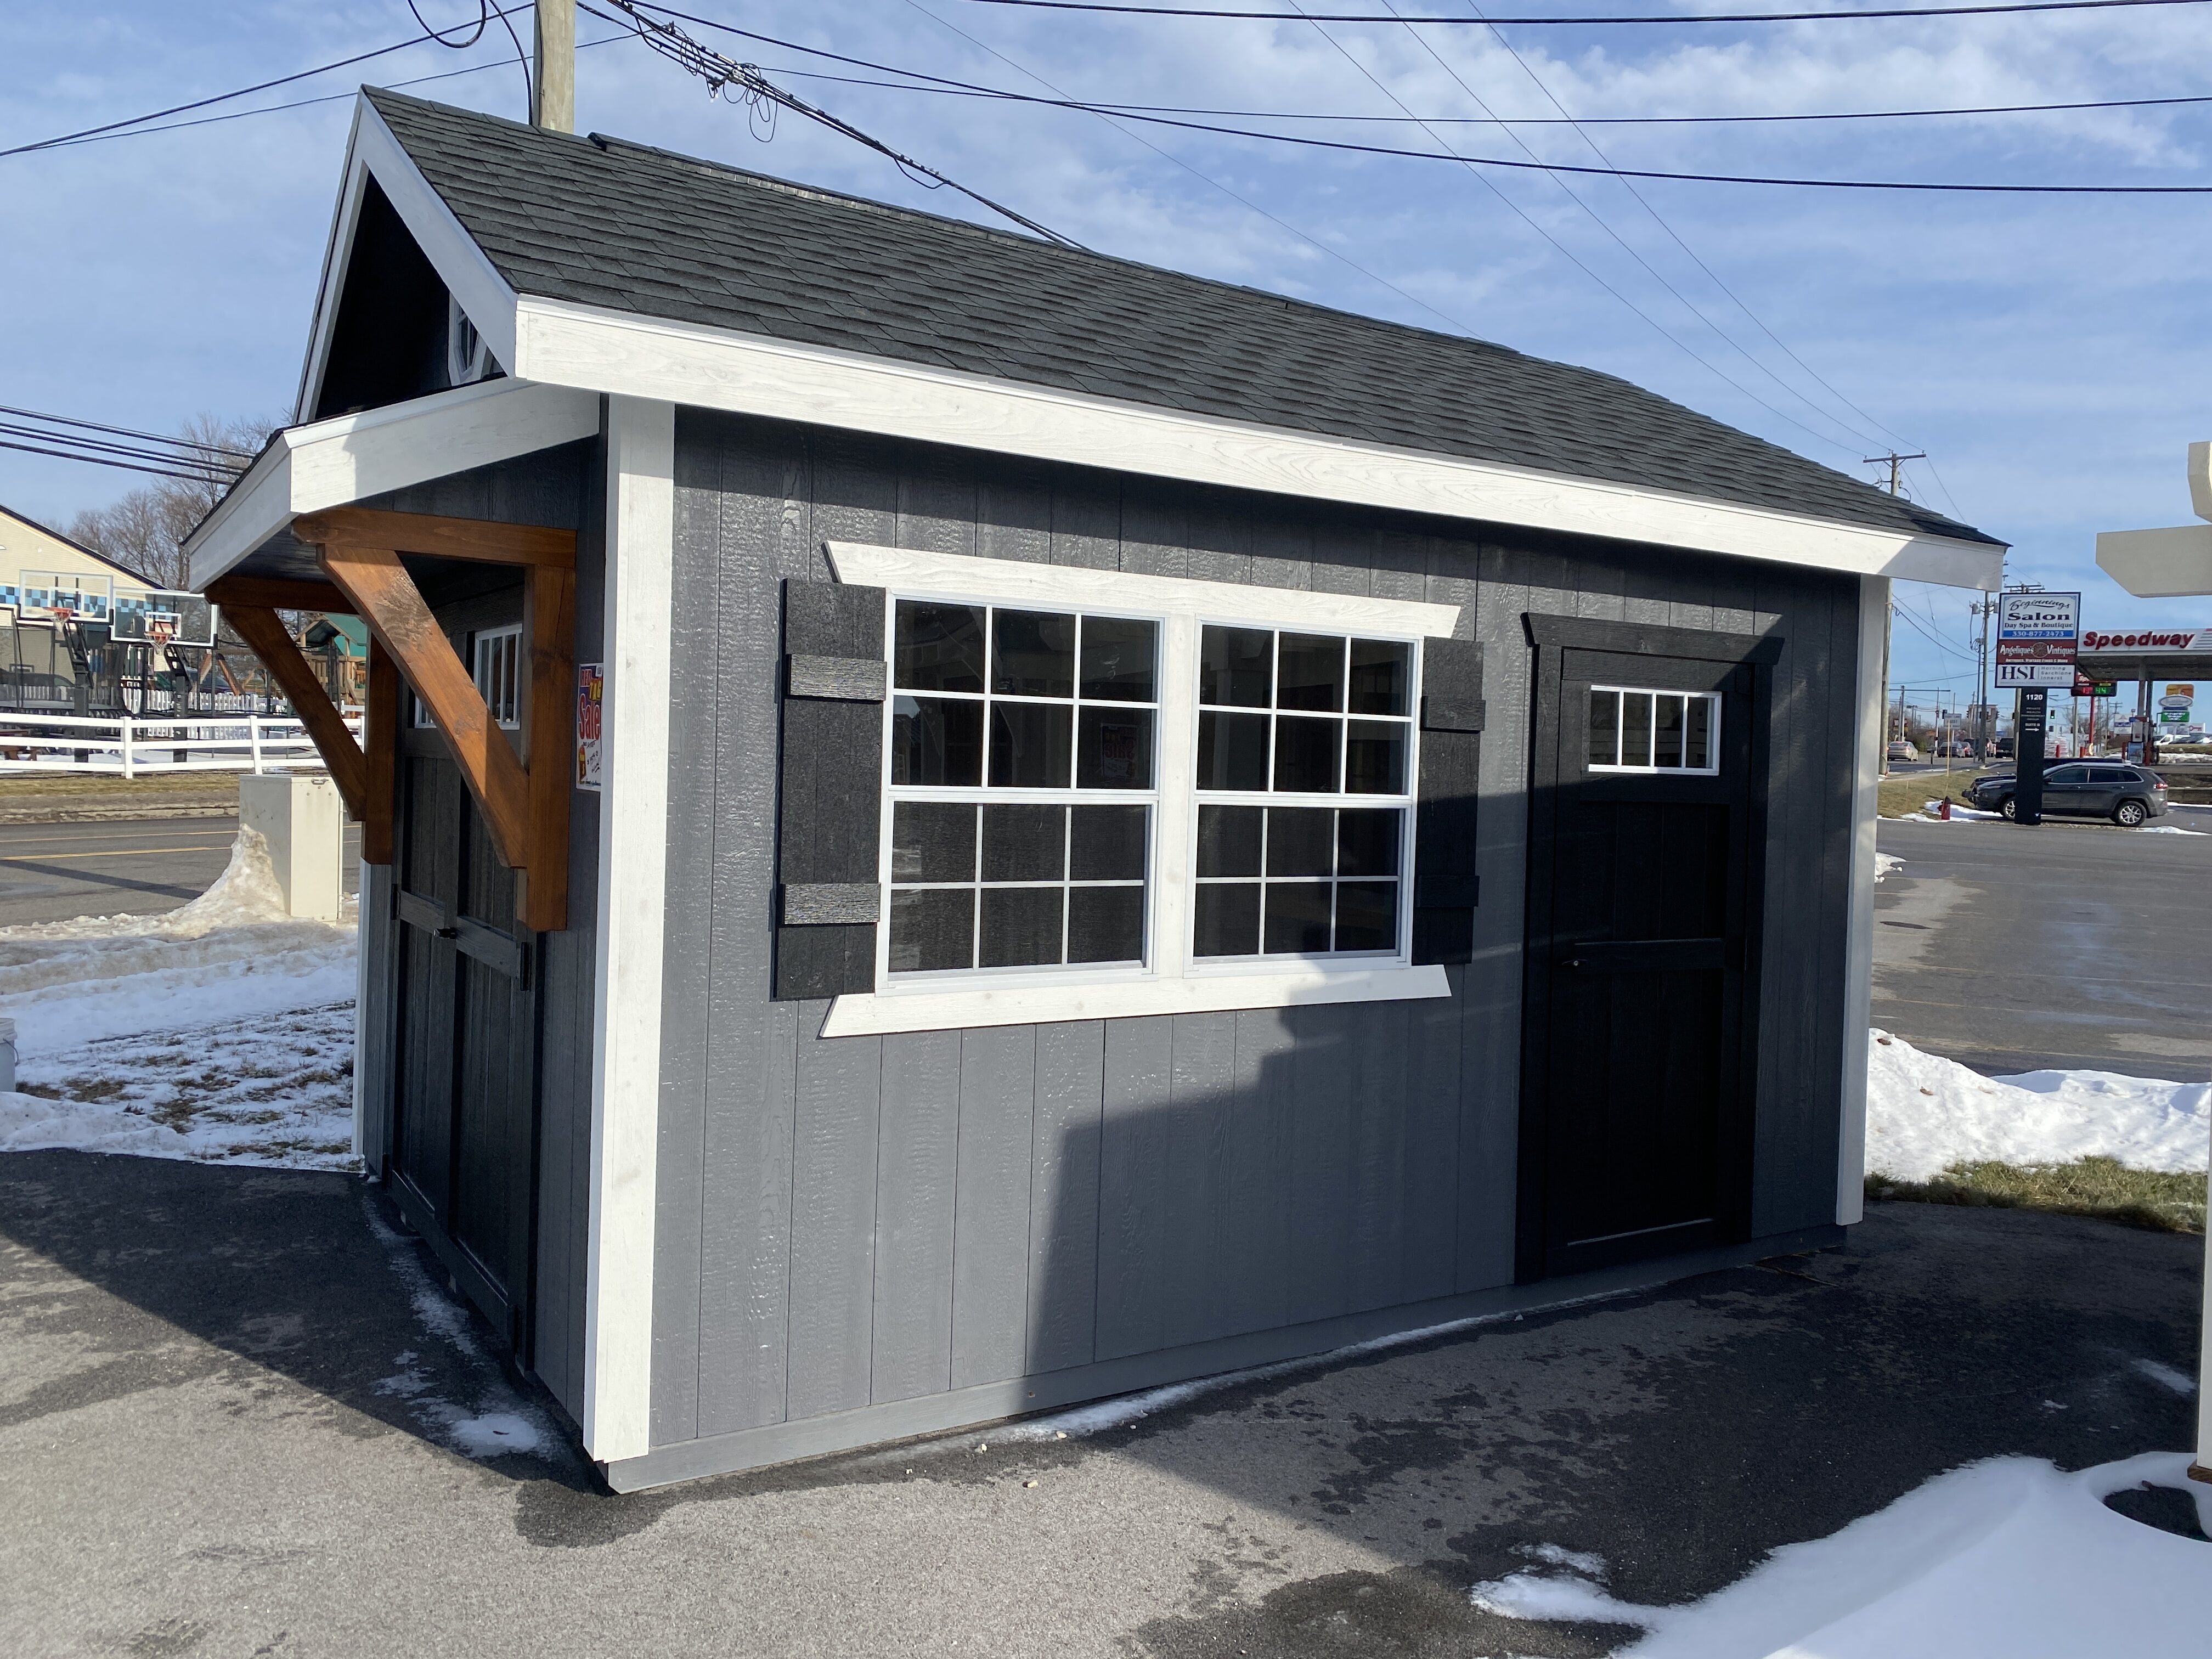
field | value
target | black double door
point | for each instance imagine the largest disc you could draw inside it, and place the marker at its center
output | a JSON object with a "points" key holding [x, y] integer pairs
{"points": [[463, 1143], [1644, 863]]}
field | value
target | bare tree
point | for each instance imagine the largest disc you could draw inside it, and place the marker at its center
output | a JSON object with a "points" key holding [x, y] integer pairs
{"points": [[144, 528]]}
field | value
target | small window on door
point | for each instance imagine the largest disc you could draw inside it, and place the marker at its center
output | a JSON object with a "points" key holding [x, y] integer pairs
{"points": [[499, 674], [1635, 729]]}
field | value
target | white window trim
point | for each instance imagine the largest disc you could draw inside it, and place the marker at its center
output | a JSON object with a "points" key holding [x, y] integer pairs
{"points": [[1711, 769], [486, 642], [1172, 984]]}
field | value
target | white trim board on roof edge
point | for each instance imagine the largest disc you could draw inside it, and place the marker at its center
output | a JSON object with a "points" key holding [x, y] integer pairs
{"points": [[336, 462], [372, 151], [561, 342]]}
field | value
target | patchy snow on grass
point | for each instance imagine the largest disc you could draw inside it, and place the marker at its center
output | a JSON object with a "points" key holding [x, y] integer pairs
{"points": [[1925, 1113], [222, 1030], [2007, 1556]]}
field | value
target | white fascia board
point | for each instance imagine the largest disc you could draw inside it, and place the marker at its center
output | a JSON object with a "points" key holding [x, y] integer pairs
{"points": [[886, 1012], [1006, 581], [1858, 950], [371, 152], [560, 342], [348, 458], [2158, 564], [640, 532]]}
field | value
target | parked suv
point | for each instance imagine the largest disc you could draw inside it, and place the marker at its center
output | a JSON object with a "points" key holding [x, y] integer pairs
{"points": [[2128, 795]]}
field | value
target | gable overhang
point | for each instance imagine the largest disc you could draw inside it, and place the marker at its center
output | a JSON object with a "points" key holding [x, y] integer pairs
{"points": [[628, 355], [371, 152], [352, 457], [557, 344]]}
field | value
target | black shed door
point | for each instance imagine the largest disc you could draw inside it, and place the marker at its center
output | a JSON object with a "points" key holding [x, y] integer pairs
{"points": [[464, 1126], [1643, 864]]}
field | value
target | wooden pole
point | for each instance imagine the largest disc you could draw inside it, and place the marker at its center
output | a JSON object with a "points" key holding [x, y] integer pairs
{"points": [[555, 82]]}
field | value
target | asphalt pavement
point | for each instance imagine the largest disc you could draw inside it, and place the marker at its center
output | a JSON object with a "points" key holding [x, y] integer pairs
{"points": [[228, 1398], [2011, 948], [50, 872]]}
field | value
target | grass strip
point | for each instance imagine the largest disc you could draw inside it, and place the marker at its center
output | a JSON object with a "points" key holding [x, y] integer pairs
{"points": [[2158, 1201]]}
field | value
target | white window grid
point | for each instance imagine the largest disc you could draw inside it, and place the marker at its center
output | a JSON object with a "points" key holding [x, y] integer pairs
{"points": [[1648, 757], [499, 674], [1403, 800], [987, 793]]}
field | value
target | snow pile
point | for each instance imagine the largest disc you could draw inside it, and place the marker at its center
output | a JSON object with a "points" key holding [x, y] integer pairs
{"points": [[1886, 862], [221, 1029], [2007, 1556], [1925, 1113], [231, 952]]}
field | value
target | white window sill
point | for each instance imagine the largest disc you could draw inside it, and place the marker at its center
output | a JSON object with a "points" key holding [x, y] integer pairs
{"points": [[1036, 1004]]}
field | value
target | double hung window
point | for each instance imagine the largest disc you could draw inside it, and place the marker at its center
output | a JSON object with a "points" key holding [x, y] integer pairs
{"points": [[1110, 794], [1022, 778], [1301, 738]]}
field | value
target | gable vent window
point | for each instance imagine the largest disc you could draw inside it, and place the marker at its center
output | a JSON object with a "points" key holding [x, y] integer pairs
{"points": [[468, 359], [499, 674]]}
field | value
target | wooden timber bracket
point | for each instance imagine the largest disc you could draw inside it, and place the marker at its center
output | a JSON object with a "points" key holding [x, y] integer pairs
{"points": [[524, 807]]}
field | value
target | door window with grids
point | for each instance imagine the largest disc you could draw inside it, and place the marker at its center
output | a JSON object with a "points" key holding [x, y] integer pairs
{"points": [[1304, 741], [499, 674], [1635, 729], [1022, 787]]}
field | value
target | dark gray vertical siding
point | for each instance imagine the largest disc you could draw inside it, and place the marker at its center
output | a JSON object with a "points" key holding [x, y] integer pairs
{"points": [[564, 487], [873, 1220]]}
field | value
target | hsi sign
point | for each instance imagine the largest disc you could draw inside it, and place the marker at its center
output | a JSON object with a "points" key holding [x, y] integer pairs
{"points": [[2038, 637]]}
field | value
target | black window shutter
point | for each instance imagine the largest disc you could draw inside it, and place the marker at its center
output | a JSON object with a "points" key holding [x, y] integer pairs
{"points": [[828, 903], [1444, 823]]}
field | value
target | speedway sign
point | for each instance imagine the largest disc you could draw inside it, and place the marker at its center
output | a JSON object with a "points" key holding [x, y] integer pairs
{"points": [[2038, 637]]}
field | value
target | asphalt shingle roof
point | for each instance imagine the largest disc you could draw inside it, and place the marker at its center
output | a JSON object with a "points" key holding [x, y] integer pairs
{"points": [[628, 227]]}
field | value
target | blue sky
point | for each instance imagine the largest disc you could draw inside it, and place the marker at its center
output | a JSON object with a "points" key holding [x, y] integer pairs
{"points": [[2048, 352]]}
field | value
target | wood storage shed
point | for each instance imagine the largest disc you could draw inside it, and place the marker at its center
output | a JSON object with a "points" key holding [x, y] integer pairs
{"points": [[955, 826]]}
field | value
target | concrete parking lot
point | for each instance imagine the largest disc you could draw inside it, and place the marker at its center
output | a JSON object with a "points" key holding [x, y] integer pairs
{"points": [[2068, 945], [230, 1400]]}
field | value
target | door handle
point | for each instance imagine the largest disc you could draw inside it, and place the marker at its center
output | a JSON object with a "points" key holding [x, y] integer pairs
{"points": [[449, 933]]}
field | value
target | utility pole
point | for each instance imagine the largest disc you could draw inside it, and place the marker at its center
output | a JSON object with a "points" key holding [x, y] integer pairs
{"points": [[555, 83], [1889, 615], [1984, 609]]}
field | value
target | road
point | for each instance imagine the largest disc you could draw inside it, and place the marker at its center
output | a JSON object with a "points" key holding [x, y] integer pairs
{"points": [[49, 872], [2070, 946]]}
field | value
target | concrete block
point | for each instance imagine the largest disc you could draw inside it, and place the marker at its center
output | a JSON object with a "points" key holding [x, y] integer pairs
{"points": [[303, 820]]}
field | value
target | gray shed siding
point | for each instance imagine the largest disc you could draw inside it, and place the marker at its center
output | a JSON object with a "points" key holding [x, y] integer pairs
{"points": [[562, 487], [848, 1223]]}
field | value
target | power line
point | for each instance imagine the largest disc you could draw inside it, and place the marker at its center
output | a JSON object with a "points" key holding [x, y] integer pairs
{"points": [[759, 92], [1712, 275], [1665, 332], [1244, 202], [955, 89], [1111, 6], [221, 97], [1683, 178], [332, 98], [191, 444]]}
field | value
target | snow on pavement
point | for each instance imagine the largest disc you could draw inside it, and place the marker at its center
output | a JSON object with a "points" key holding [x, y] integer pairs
{"points": [[1925, 1113], [2007, 1557], [220, 1031]]}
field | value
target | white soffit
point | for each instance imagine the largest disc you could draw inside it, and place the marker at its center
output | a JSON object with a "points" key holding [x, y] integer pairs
{"points": [[570, 345], [1003, 581], [348, 458], [467, 273]]}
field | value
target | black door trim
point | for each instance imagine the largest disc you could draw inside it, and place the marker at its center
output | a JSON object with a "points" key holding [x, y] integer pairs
{"points": [[1551, 638], [1650, 640]]}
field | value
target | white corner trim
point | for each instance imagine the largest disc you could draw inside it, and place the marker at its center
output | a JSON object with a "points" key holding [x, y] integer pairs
{"points": [[1858, 951], [334, 462], [467, 271], [633, 892], [571, 344], [1037, 1005], [1004, 580]]}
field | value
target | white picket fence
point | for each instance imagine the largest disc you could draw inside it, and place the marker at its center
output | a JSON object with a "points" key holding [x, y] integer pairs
{"points": [[134, 747]]}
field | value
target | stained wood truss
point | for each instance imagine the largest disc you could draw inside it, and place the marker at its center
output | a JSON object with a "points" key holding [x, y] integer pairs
{"points": [[525, 806]]}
